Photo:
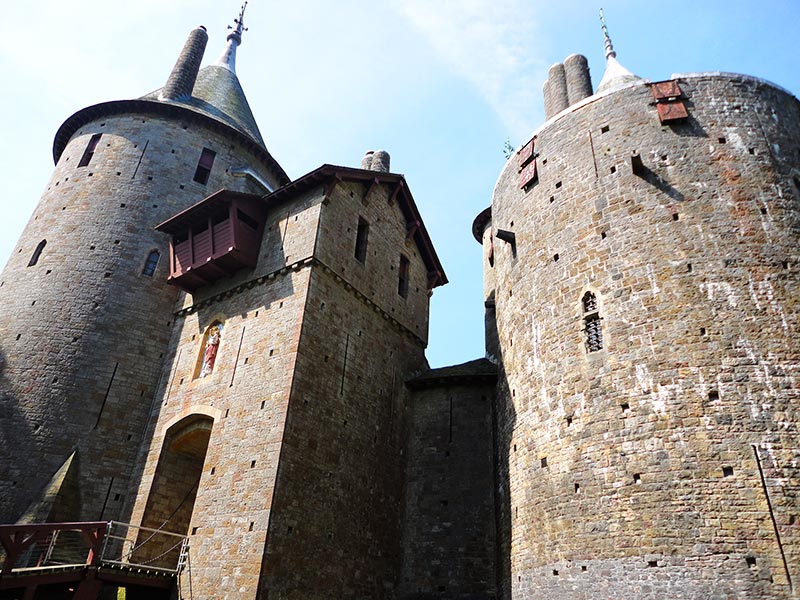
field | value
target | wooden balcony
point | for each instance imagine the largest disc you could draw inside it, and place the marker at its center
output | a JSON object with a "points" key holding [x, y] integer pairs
{"points": [[214, 238]]}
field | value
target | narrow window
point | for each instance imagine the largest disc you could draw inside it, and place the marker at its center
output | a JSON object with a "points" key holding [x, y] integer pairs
{"points": [[204, 166], [361, 240], [402, 280], [591, 323], [37, 253], [151, 263], [89, 152]]}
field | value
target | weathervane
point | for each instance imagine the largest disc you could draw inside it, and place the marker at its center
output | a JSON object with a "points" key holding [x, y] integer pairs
{"points": [[609, 45], [240, 28]]}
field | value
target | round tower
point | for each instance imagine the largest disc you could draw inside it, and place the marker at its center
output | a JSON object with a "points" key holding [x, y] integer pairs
{"points": [[86, 309], [647, 323]]}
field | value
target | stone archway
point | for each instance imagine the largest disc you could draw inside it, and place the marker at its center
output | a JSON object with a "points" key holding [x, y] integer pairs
{"points": [[172, 495]]}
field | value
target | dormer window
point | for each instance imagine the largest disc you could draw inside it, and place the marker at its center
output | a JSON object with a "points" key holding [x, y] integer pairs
{"points": [[214, 238]]}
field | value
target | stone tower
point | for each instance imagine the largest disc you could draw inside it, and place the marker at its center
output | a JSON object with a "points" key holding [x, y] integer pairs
{"points": [[87, 312], [641, 280]]}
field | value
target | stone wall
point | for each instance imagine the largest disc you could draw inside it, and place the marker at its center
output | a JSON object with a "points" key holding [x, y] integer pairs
{"points": [[449, 522], [336, 526], [246, 395], [665, 463], [83, 333]]}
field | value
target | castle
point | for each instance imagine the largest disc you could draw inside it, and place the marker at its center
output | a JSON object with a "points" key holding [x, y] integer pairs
{"points": [[193, 343]]}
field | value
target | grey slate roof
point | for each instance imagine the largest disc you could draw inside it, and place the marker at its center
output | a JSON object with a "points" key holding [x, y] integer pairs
{"points": [[218, 94]]}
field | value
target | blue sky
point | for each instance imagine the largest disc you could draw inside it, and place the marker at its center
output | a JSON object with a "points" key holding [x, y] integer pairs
{"points": [[439, 84]]}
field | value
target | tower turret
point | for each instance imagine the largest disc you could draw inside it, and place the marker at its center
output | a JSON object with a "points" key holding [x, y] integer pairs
{"points": [[645, 307], [87, 311]]}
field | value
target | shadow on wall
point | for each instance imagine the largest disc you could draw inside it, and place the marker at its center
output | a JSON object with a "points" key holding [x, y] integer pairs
{"points": [[505, 417], [14, 431]]}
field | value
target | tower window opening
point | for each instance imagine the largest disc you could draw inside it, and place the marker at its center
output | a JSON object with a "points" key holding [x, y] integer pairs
{"points": [[204, 165], [361, 240], [592, 326], [402, 279], [37, 253], [151, 263], [90, 148]]}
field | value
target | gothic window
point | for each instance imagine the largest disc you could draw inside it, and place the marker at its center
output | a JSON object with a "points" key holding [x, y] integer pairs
{"points": [[591, 323], [37, 253], [151, 263], [361, 240], [402, 280], [204, 165], [208, 357], [90, 148]]}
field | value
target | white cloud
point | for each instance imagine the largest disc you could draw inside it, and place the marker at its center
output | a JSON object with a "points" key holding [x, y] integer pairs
{"points": [[493, 45]]}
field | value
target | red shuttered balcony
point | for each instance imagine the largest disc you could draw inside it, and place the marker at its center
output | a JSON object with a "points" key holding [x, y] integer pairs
{"points": [[214, 238]]}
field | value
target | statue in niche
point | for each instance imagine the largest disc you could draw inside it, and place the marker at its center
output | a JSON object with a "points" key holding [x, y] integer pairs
{"points": [[210, 351]]}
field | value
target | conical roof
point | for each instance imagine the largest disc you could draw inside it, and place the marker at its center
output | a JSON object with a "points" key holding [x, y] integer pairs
{"points": [[615, 76], [218, 94], [216, 91]]}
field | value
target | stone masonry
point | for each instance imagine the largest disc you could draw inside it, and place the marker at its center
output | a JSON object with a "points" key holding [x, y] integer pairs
{"points": [[665, 463], [631, 433]]}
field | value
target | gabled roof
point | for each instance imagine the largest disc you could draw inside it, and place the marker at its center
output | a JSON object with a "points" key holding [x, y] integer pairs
{"points": [[400, 192]]}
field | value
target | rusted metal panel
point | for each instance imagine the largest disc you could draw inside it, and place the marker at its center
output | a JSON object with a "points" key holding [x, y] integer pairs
{"points": [[672, 111], [525, 154], [664, 90], [528, 174]]}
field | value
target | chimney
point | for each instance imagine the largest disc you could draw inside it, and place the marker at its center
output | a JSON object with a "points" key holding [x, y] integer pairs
{"points": [[380, 161], [181, 81], [376, 160], [366, 162], [579, 83], [556, 90]]}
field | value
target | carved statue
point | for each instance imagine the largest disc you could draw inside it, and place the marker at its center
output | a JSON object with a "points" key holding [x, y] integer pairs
{"points": [[210, 352]]}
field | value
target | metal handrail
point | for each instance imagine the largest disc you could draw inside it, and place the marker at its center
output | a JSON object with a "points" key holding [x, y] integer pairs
{"points": [[43, 545]]}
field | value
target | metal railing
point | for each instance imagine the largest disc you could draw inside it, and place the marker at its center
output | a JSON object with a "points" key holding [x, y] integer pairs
{"points": [[130, 545], [54, 545]]}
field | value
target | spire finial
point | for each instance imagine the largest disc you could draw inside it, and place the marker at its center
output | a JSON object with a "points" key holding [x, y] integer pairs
{"points": [[609, 46], [240, 28], [228, 58]]}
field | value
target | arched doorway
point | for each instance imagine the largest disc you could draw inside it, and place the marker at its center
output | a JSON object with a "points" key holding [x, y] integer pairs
{"points": [[172, 495]]}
